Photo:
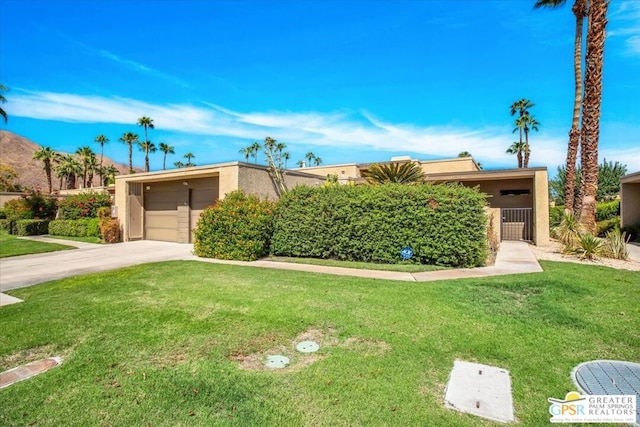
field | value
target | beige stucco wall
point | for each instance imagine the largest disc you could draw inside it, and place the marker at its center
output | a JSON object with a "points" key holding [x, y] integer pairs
{"points": [[630, 199], [344, 172], [5, 196], [462, 164], [541, 208]]}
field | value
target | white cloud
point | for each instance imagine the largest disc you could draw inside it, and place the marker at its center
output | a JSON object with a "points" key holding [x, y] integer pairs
{"points": [[338, 130]]}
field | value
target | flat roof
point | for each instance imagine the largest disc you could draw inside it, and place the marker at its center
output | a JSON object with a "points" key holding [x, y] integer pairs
{"points": [[631, 178]]}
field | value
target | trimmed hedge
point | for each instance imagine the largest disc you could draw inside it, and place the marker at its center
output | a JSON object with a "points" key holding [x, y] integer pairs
{"points": [[7, 225], [86, 227], [236, 227], [607, 210], [31, 227], [3, 214], [443, 224]]}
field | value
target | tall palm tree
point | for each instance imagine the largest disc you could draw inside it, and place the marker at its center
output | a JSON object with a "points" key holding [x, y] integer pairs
{"points": [[255, 149], [167, 149], [300, 163], [317, 161], [85, 153], [108, 174], [591, 112], [146, 123], [48, 156], [247, 153], [3, 113], [521, 107], [517, 148], [92, 167], [579, 9], [286, 156], [189, 156], [178, 164], [68, 168], [309, 156], [129, 138], [102, 140], [401, 173], [147, 147], [530, 123]]}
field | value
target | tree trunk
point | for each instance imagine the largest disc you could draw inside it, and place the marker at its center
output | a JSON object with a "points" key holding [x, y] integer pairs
{"points": [[130, 158], [519, 155], [49, 179], [527, 152], [579, 10], [591, 112]]}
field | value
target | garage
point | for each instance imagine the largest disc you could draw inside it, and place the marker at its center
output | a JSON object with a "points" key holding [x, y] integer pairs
{"points": [[172, 208]]}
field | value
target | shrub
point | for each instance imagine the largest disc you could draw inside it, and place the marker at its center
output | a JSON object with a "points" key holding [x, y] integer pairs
{"points": [[3, 214], [83, 205], [110, 230], [236, 227], [607, 210], [31, 227], [556, 213], [6, 225], [87, 227], [32, 205], [588, 246], [615, 244], [603, 227], [569, 231], [443, 224]]}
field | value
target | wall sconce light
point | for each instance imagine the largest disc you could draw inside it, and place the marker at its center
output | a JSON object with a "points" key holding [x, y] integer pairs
{"points": [[185, 183], [148, 187]]}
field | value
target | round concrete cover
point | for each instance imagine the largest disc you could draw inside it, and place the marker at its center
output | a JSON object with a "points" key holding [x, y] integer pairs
{"points": [[307, 347], [277, 361]]}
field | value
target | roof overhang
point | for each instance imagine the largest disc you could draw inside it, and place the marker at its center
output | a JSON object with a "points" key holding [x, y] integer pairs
{"points": [[632, 178], [486, 175]]}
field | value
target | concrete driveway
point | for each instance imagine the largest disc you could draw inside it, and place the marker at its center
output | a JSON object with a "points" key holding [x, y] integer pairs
{"points": [[27, 270]]}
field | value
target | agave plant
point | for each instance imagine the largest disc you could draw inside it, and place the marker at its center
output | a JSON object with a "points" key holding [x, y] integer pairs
{"points": [[616, 244], [400, 173], [569, 231], [589, 247]]}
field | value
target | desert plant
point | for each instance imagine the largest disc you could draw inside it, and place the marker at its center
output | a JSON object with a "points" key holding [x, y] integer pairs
{"points": [[400, 173], [588, 247], [569, 231], [603, 227], [616, 244]]}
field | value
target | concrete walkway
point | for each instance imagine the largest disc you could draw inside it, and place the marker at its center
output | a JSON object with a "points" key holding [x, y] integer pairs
{"points": [[28, 270]]}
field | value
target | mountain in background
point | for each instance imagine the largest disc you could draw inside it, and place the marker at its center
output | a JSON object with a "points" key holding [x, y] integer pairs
{"points": [[17, 152]]}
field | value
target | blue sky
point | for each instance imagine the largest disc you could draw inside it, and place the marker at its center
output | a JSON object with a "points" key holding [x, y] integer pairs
{"points": [[351, 81]]}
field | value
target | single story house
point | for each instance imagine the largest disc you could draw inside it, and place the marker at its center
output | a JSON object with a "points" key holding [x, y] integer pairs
{"points": [[630, 199], [166, 205]]}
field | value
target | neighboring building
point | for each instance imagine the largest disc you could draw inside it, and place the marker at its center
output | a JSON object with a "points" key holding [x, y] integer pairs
{"points": [[166, 205], [630, 199]]}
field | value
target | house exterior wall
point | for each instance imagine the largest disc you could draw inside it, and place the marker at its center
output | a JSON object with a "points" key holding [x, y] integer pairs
{"points": [[462, 164], [630, 199], [5, 196]]}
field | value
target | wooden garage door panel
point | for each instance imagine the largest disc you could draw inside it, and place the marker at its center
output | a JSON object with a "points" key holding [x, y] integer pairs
{"points": [[161, 219], [201, 198], [162, 234], [166, 200]]}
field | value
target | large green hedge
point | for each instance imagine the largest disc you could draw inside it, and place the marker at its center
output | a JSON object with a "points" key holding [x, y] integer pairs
{"points": [[31, 227], [443, 224], [86, 227], [236, 227]]}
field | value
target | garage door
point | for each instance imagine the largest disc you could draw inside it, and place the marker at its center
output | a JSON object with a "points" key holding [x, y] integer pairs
{"points": [[199, 199], [161, 216]]}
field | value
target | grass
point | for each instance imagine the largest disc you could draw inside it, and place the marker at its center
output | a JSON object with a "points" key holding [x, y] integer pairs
{"points": [[159, 344], [12, 246], [406, 268], [87, 239]]}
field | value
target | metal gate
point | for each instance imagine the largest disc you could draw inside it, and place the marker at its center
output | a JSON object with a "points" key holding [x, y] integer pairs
{"points": [[516, 224]]}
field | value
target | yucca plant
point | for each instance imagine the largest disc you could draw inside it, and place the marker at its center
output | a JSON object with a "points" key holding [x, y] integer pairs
{"points": [[589, 247], [616, 244], [569, 231]]}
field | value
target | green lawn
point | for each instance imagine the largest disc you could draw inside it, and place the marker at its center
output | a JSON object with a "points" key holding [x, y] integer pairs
{"points": [[87, 239], [403, 267], [162, 344], [12, 246]]}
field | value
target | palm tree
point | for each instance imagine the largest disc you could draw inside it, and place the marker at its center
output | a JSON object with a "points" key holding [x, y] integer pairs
{"points": [[85, 154], [300, 163], [517, 148], [129, 138], [92, 167], [102, 140], [247, 152], [286, 156], [309, 156], [189, 156], [166, 149], [178, 164], [68, 168], [3, 113], [401, 173], [47, 155], [317, 160], [147, 147], [530, 123], [108, 174], [591, 112], [521, 107], [255, 149], [464, 154], [579, 9], [146, 123]]}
